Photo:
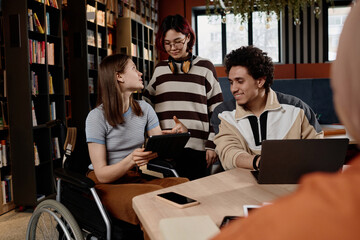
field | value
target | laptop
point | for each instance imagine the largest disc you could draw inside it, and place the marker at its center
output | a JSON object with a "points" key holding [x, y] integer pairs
{"points": [[285, 161]]}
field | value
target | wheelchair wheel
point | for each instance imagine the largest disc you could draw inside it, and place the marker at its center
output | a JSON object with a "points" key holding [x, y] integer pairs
{"points": [[52, 220]]}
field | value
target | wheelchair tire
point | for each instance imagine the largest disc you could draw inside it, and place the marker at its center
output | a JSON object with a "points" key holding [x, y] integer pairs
{"points": [[51, 220]]}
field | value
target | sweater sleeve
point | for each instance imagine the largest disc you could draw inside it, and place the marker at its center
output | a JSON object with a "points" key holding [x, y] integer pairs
{"points": [[229, 144]]}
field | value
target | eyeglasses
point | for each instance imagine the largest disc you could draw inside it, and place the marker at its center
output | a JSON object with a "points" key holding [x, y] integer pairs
{"points": [[177, 44]]}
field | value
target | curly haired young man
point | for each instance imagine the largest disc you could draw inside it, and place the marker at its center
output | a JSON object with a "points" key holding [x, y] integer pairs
{"points": [[258, 113]]}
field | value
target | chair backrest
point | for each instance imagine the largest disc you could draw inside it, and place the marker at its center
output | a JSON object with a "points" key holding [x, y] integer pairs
{"points": [[79, 159]]}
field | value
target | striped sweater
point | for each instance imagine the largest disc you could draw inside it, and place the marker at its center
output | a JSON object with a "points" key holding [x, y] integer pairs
{"points": [[284, 117], [190, 97]]}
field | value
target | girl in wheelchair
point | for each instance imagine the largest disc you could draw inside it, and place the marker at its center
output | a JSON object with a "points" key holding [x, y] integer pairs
{"points": [[115, 134]]}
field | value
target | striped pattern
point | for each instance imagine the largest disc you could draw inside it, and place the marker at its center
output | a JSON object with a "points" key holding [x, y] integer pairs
{"points": [[191, 97]]}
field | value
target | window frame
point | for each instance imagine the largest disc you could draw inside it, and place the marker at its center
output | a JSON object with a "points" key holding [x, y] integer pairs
{"points": [[326, 7], [201, 11]]}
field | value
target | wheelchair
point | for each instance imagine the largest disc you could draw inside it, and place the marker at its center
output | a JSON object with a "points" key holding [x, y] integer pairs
{"points": [[77, 213]]}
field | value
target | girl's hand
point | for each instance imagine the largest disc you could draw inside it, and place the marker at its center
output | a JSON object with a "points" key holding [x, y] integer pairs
{"points": [[179, 127], [141, 158]]}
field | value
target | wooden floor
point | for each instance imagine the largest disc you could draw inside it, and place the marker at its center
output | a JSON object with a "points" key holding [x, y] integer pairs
{"points": [[13, 225]]}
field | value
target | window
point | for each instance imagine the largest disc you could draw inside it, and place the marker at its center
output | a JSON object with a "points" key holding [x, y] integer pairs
{"points": [[209, 35], [266, 34], [216, 38], [336, 19]]}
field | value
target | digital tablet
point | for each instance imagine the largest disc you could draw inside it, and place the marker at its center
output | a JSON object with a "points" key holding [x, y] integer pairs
{"points": [[167, 145]]}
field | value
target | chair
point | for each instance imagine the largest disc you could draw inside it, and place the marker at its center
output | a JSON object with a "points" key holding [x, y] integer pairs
{"points": [[78, 211]]}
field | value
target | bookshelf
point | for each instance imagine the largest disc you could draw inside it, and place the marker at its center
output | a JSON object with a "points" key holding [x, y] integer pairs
{"points": [[6, 192], [35, 94], [111, 15], [137, 40], [88, 45]]}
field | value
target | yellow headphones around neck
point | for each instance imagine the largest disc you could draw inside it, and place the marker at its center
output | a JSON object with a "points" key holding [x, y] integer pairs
{"points": [[185, 64]]}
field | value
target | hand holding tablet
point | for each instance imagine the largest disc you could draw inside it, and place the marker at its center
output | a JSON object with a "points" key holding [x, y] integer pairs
{"points": [[168, 145]]}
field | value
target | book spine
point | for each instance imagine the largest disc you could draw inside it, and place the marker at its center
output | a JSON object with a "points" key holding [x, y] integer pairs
{"points": [[51, 86], [33, 114], [30, 20], [48, 23], [36, 155], [52, 111], [4, 154], [37, 22], [1, 159], [3, 192]]}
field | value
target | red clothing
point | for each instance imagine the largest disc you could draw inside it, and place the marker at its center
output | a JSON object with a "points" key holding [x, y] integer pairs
{"points": [[325, 206]]}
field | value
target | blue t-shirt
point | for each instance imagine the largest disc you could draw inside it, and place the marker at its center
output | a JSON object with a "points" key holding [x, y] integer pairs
{"points": [[123, 139]]}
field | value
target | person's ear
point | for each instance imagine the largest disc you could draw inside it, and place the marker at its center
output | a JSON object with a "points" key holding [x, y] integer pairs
{"points": [[261, 81], [119, 78]]}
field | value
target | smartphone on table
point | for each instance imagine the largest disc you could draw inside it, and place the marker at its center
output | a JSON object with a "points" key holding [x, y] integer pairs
{"points": [[177, 199]]}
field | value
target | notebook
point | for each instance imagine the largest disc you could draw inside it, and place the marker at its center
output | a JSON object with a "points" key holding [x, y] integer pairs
{"points": [[285, 161]]}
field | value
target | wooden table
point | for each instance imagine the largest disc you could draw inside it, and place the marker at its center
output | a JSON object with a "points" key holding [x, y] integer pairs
{"points": [[219, 195], [336, 131]]}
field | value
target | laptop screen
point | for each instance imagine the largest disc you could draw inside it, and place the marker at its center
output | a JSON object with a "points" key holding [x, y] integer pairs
{"points": [[285, 161]]}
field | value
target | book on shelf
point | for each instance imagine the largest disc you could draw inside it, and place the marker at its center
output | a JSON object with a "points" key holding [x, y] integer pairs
{"points": [[1, 159], [91, 61], [3, 191], [51, 53], [110, 19], [56, 148], [150, 55], [146, 53], [4, 153], [52, 3], [51, 86], [91, 85], [52, 111], [30, 20], [99, 40], [47, 23], [90, 13], [33, 114], [34, 84], [36, 155], [100, 18], [36, 51], [111, 5], [91, 37], [110, 38], [37, 23], [6, 187], [133, 50]]}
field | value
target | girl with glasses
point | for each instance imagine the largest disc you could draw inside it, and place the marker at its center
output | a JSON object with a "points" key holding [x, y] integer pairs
{"points": [[185, 85]]}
